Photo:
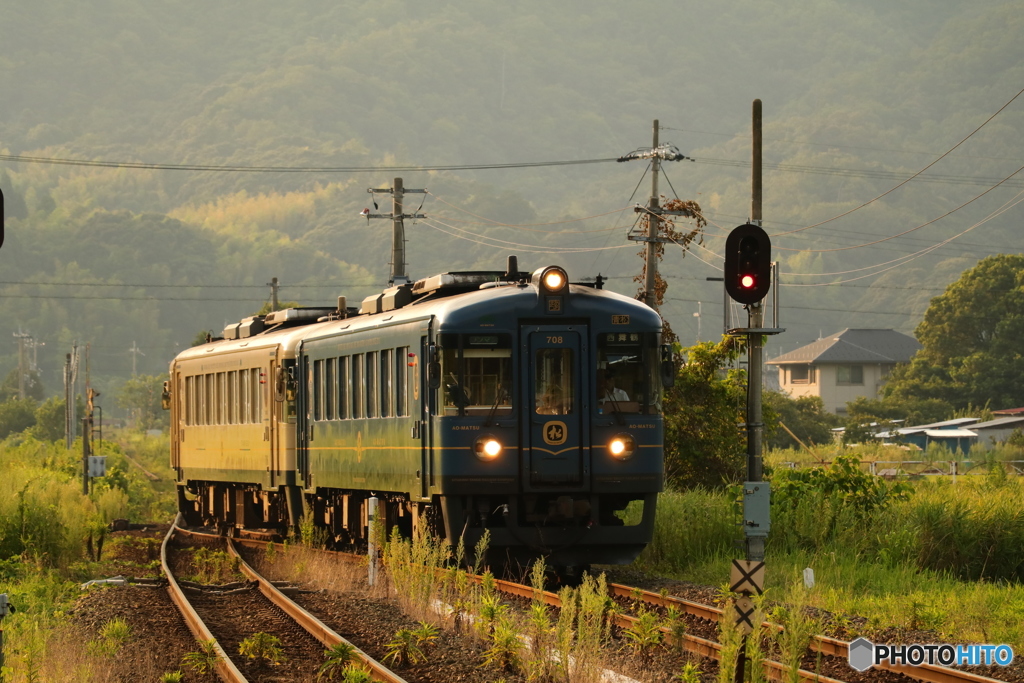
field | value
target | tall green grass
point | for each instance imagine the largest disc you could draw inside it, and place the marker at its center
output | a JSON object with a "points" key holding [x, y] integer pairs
{"points": [[949, 557], [691, 528]]}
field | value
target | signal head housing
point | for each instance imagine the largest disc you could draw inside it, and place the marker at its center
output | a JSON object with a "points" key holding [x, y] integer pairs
{"points": [[748, 264]]}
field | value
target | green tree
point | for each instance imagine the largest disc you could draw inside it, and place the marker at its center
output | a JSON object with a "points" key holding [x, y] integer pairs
{"points": [[704, 444], [17, 415], [805, 417], [33, 386], [890, 412], [971, 335], [50, 418], [141, 397]]}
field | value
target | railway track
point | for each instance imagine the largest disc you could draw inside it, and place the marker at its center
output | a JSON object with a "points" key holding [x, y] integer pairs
{"points": [[225, 617], [830, 648]]}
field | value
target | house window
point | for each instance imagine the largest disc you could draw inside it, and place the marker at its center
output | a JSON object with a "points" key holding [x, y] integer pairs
{"points": [[801, 374], [850, 374]]}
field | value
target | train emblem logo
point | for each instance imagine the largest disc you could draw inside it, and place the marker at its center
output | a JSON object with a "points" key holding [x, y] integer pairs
{"points": [[555, 433]]}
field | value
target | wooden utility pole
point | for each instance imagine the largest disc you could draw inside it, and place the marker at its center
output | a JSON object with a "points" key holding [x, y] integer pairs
{"points": [[70, 381], [657, 153], [653, 229], [274, 304]]}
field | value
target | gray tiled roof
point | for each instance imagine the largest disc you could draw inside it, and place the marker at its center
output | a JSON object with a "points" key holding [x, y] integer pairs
{"points": [[1000, 422], [855, 346]]}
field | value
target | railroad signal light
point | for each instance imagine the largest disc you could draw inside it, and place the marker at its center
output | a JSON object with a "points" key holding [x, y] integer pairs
{"points": [[748, 253]]}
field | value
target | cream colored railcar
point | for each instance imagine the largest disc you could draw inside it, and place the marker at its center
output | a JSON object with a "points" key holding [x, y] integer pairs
{"points": [[232, 430]]}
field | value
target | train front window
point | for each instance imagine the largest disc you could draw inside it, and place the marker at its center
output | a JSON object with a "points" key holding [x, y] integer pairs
{"points": [[626, 379], [554, 380], [476, 374]]}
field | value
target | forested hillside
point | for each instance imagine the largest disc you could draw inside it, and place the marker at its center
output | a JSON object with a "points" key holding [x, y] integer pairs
{"points": [[858, 96]]}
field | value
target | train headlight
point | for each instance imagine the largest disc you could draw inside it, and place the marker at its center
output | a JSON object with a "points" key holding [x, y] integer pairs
{"points": [[553, 280], [622, 446], [487, 448]]}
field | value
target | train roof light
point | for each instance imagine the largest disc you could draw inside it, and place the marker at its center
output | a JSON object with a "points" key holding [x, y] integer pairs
{"points": [[551, 279]]}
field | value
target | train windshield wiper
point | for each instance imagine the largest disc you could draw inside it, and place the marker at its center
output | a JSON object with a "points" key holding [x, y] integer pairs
{"points": [[499, 396]]}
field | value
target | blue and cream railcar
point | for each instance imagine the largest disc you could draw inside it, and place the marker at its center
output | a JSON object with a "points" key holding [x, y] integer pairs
{"points": [[466, 401]]}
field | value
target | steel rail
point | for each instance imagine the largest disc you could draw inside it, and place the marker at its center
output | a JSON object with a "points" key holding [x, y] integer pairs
{"points": [[226, 669], [311, 624], [694, 644], [833, 647]]}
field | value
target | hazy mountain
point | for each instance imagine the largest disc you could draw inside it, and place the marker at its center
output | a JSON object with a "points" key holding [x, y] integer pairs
{"points": [[858, 96]]}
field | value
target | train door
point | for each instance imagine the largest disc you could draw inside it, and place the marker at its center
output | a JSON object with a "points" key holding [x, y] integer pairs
{"points": [[271, 412], [554, 400], [420, 406], [178, 411]]}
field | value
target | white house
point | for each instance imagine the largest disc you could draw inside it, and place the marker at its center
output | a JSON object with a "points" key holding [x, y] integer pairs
{"points": [[844, 366]]}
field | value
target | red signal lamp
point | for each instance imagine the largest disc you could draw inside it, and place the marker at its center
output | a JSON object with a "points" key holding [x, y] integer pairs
{"points": [[748, 275]]}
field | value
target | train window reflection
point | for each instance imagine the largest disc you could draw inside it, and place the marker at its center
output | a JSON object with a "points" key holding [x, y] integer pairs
{"points": [[626, 373], [477, 374], [554, 382]]}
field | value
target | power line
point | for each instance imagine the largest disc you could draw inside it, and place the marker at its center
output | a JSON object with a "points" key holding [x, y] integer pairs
{"points": [[831, 145], [189, 286], [289, 169], [893, 189]]}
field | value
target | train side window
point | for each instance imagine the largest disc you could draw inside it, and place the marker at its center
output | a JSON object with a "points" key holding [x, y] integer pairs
{"points": [[386, 390], [371, 384], [188, 401], [243, 396], [317, 389], [232, 406], [330, 388], [240, 396], [402, 381], [197, 400], [207, 399], [343, 401], [255, 405], [211, 399], [358, 390], [222, 398]]}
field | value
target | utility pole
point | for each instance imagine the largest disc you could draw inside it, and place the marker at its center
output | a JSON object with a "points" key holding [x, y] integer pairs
{"points": [[136, 351], [657, 153], [70, 380], [21, 337], [275, 305], [653, 228], [398, 276]]}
